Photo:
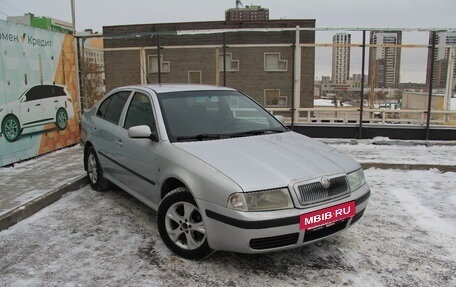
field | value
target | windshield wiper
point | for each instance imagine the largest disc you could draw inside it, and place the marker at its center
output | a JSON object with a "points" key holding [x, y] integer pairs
{"points": [[199, 137], [256, 132]]}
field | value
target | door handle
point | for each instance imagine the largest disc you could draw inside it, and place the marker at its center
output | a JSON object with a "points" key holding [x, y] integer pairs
{"points": [[37, 105], [119, 141]]}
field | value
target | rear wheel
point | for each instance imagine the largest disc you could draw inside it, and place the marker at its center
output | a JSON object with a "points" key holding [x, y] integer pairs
{"points": [[181, 225], [11, 128], [61, 119], [94, 171]]}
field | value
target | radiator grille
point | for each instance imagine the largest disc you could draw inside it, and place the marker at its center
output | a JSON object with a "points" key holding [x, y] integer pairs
{"points": [[314, 192]]}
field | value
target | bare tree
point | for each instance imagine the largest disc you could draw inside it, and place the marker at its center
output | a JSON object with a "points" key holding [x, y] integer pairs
{"points": [[94, 83]]}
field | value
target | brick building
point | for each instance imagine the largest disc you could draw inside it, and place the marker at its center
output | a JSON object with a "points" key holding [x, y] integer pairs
{"points": [[248, 13], [260, 63]]}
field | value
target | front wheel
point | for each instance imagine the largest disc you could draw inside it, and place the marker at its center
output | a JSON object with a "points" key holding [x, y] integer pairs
{"points": [[181, 225], [11, 128]]}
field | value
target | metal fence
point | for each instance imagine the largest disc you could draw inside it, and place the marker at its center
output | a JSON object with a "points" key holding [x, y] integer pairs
{"points": [[308, 75]]}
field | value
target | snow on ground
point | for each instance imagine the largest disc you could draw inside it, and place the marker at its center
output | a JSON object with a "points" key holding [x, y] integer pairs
{"points": [[31, 179], [406, 238], [387, 151], [25, 181]]}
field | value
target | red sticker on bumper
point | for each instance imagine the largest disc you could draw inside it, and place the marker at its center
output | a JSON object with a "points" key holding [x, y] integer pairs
{"points": [[327, 215]]}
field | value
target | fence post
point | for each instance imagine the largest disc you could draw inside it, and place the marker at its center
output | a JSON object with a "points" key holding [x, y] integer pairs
{"points": [[449, 81], [143, 66], [84, 76], [159, 59], [224, 59], [361, 106], [293, 47], [431, 81], [297, 76]]}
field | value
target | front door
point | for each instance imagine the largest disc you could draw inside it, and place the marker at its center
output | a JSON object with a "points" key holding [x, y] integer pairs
{"points": [[138, 157]]}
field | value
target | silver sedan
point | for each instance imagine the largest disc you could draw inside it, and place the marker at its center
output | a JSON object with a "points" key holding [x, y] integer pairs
{"points": [[221, 172]]}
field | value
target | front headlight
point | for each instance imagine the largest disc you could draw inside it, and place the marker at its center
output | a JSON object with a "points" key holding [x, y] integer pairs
{"points": [[356, 179], [261, 200]]}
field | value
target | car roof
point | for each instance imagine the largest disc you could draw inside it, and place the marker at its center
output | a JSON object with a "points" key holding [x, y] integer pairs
{"points": [[169, 88]]}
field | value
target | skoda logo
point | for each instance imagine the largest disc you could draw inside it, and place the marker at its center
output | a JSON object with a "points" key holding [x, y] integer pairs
{"points": [[325, 182]]}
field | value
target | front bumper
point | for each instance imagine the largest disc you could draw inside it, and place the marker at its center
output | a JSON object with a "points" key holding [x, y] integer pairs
{"points": [[258, 232]]}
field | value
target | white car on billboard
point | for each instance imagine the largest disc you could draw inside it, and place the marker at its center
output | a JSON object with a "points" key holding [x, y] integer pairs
{"points": [[37, 106]]}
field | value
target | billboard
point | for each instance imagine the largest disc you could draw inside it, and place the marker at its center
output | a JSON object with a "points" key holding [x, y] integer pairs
{"points": [[39, 104]]}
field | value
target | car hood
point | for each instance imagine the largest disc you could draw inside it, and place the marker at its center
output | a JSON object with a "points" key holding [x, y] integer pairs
{"points": [[270, 161]]}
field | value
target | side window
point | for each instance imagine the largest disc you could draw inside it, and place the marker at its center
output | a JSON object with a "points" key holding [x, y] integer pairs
{"points": [[231, 65], [103, 107], [35, 93], [47, 91], [111, 108], [140, 112], [57, 91], [273, 62], [153, 64]]}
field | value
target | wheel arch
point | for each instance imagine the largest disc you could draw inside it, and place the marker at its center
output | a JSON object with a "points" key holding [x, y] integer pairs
{"points": [[11, 114], [171, 184]]}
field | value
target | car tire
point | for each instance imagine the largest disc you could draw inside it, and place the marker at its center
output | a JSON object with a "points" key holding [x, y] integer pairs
{"points": [[181, 225], [61, 119], [95, 171], [11, 128]]}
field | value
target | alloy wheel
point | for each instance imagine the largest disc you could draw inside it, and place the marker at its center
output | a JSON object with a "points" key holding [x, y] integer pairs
{"points": [[184, 225]]}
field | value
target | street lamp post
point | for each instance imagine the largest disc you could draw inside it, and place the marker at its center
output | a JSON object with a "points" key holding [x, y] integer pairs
{"points": [[73, 17]]}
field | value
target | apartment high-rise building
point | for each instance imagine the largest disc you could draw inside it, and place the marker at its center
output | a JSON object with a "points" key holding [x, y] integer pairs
{"points": [[385, 59], [247, 13], [325, 80], [341, 58], [442, 40]]}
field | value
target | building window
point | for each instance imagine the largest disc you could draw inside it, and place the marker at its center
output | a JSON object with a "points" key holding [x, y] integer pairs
{"points": [[231, 65], [272, 62], [194, 77], [152, 64], [272, 98]]}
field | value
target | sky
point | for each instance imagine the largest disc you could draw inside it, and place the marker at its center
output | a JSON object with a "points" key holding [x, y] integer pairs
{"points": [[94, 14]]}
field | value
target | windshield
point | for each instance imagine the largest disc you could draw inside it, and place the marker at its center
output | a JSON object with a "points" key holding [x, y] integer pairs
{"points": [[206, 115]]}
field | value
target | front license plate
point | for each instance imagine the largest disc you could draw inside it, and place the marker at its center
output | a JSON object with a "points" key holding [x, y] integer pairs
{"points": [[327, 215]]}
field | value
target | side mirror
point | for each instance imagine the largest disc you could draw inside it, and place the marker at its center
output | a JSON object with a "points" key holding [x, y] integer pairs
{"points": [[280, 118], [142, 132]]}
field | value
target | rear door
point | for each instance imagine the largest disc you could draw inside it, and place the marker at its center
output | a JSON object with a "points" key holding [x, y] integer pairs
{"points": [[104, 129], [53, 100]]}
